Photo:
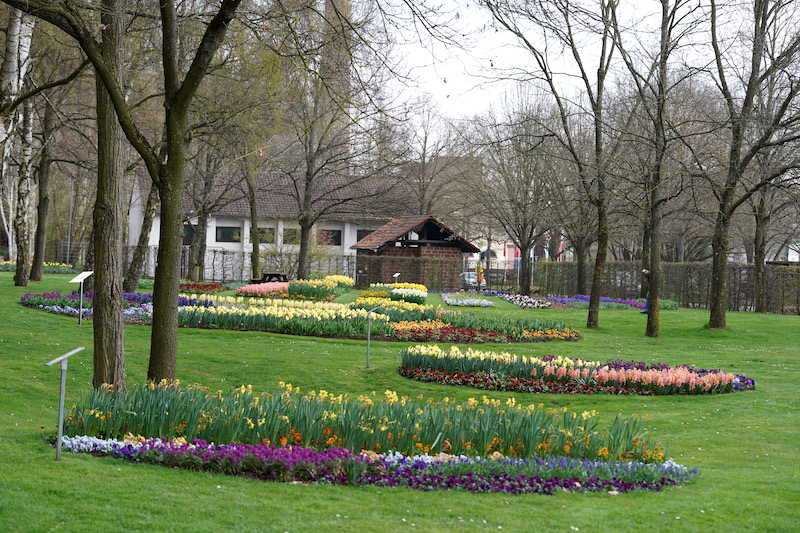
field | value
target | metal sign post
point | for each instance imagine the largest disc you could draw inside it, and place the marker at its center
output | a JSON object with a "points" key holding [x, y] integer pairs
{"points": [[63, 361], [79, 279], [369, 333]]}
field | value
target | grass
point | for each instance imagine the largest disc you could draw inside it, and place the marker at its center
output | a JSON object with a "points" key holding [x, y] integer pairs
{"points": [[745, 444]]}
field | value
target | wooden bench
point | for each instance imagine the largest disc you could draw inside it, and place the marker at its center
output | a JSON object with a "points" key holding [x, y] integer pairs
{"points": [[267, 277]]}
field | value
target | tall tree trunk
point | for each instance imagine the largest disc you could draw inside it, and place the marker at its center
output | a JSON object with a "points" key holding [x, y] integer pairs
{"points": [[197, 251], [593, 316], [719, 272], [255, 236], [136, 266], [525, 269], [646, 231], [581, 252], [42, 211], [22, 220], [8, 195], [303, 265], [653, 328], [108, 216], [164, 335], [760, 254]]}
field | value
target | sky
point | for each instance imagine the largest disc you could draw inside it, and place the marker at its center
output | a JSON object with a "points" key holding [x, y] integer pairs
{"points": [[459, 79]]}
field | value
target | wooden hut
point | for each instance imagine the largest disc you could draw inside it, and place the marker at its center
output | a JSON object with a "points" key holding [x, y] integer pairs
{"points": [[420, 248]]}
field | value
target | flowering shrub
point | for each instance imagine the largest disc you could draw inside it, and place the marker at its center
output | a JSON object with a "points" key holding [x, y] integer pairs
{"points": [[505, 371], [463, 300], [48, 267], [526, 302], [415, 296], [425, 472], [201, 287], [275, 289], [374, 422], [312, 289], [342, 282]]}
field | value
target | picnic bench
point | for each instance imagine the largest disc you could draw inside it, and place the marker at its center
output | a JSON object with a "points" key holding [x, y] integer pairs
{"points": [[267, 277]]}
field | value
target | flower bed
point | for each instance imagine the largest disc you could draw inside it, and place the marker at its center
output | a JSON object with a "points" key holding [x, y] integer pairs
{"points": [[396, 310], [312, 289], [201, 287], [48, 267], [438, 331], [514, 328], [414, 296], [526, 302], [318, 321], [275, 289], [342, 282], [374, 422], [581, 301], [465, 300], [137, 307], [424, 472], [392, 320], [509, 372]]}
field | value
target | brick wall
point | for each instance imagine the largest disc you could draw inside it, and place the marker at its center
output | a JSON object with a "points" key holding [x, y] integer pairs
{"points": [[437, 268]]}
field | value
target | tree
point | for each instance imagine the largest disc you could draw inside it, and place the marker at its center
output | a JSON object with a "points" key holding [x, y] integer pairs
{"points": [[512, 188], [108, 215], [22, 219], [165, 162], [542, 29], [770, 53], [49, 127], [651, 79]]}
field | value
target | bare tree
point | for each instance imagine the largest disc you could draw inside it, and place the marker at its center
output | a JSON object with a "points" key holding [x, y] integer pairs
{"points": [[770, 53], [650, 76], [545, 29], [512, 187]]}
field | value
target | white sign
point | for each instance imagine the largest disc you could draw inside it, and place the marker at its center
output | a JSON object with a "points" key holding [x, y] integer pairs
{"points": [[82, 276]]}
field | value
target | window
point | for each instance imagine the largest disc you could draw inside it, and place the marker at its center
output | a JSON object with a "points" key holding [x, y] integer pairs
{"points": [[229, 234], [329, 237], [291, 235], [360, 234], [188, 234], [266, 235]]}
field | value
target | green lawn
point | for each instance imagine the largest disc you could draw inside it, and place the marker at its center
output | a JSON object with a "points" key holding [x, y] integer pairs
{"points": [[745, 444]]}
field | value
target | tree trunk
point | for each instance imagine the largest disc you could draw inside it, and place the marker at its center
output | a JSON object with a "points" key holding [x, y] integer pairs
{"points": [[580, 264], [255, 236], [164, 335], [197, 251], [305, 245], [719, 273], [593, 316], [108, 217], [653, 328], [525, 270], [759, 256], [136, 266], [646, 231], [40, 241], [22, 220]]}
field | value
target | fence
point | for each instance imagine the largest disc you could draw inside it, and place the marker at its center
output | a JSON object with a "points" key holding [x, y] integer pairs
{"points": [[227, 265], [687, 283]]}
